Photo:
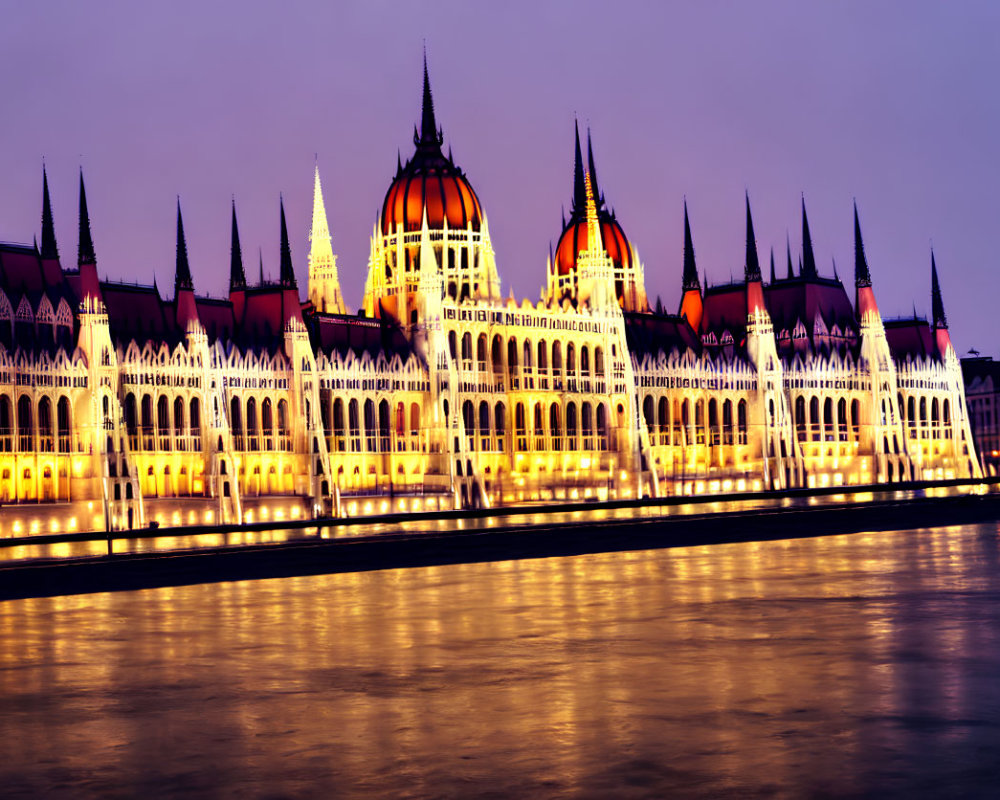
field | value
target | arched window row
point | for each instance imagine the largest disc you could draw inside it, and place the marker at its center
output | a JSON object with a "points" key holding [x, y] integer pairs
{"points": [[523, 364], [44, 426], [174, 426], [687, 422]]}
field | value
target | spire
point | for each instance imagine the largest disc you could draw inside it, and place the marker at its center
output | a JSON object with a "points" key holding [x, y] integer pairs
{"points": [[49, 249], [287, 273], [752, 266], [598, 197], [808, 259], [85, 253], [594, 239], [237, 277], [579, 190], [691, 302], [788, 252], [937, 304], [773, 276], [690, 278], [862, 276], [324, 282], [260, 261], [321, 251], [182, 274], [429, 133]]}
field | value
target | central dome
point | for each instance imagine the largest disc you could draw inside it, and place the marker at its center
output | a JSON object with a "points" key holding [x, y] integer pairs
{"points": [[430, 180]]}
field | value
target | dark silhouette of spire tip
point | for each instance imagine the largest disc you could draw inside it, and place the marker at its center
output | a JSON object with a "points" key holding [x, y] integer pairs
{"points": [[182, 273], [49, 248], [85, 253]]}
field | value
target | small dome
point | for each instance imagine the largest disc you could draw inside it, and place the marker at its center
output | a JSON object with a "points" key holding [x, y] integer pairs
{"points": [[574, 239]]}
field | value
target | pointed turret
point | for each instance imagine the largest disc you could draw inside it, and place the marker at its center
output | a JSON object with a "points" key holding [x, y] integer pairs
{"points": [[237, 276], [941, 335], [579, 190], [937, 304], [773, 276], [751, 270], [287, 272], [290, 303], [690, 277], [49, 249], [85, 252], [324, 281], [90, 286], [49, 255], [788, 252], [864, 297], [182, 272], [186, 307], [862, 276], [692, 307], [808, 259]]}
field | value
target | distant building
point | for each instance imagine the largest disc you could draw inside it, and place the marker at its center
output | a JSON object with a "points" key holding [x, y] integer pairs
{"points": [[119, 407], [982, 393]]}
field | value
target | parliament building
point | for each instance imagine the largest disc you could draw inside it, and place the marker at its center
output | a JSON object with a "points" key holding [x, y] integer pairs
{"points": [[120, 408]]}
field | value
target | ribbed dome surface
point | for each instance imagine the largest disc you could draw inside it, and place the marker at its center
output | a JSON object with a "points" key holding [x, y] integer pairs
{"points": [[439, 185]]}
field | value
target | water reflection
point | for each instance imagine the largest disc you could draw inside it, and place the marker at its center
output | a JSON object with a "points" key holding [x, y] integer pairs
{"points": [[840, 665]]}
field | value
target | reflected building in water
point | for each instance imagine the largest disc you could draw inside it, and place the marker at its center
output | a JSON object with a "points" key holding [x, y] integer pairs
{"points": [[119, 407]]}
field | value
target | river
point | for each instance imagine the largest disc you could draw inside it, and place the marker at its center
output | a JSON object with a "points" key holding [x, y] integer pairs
{"points": [[857, 665]]}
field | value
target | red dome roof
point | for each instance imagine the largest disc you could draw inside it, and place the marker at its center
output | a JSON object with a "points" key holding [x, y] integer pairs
{"points": [[574, 239], [446, 193]]}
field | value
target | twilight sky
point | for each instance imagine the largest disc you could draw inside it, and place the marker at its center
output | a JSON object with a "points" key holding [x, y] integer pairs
{"points": [[892, 103]]}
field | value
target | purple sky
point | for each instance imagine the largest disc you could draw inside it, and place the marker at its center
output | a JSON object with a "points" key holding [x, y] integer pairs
{"points": [[892, 103]]}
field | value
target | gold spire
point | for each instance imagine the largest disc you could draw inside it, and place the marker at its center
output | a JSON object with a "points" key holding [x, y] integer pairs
{"points": [[594, 242], [324, 281], [321, 252]]}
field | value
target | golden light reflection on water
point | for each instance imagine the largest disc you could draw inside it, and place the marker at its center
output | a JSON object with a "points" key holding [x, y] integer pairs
{"points": [[830, 665]]}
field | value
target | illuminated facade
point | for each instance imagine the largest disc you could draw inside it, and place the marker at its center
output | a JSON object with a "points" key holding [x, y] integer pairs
{"points": [[119, 408]]}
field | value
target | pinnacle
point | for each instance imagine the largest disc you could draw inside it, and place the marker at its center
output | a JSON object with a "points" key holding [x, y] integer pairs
{"points": [[85, 254]]}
